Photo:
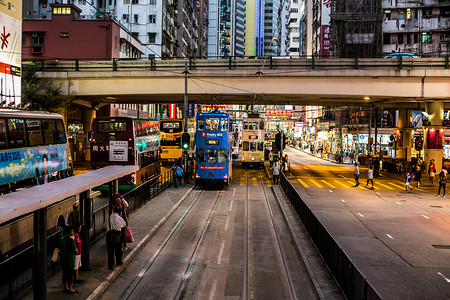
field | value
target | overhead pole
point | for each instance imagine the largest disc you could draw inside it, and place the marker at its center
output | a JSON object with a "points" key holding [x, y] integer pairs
{"points": [[186, 73]]}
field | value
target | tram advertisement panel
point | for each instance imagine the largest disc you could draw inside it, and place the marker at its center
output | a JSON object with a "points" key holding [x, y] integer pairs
{"points": [[30, 162]]}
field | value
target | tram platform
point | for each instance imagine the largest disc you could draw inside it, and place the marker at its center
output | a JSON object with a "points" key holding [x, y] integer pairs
{"points": [[98, 276]]}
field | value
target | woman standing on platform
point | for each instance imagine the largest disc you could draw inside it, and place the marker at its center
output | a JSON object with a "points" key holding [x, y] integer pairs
{"points": [[68, 252]]}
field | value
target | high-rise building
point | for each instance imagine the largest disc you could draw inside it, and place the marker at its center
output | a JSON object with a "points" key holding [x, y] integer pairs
{"points": [[418, 27], [321, 28], [294, 26], [226, 28], [272, 27], [254, 27], [191, 25]]}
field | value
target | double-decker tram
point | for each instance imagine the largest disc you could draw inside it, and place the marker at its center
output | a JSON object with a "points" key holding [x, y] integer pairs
{"points": [[213, 141], [33, 149], [253, 141], [126, 141], [170, 133]]}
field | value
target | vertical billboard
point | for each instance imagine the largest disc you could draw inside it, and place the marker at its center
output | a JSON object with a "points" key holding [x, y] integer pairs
{"points": [[325, 28], [10, 52]]}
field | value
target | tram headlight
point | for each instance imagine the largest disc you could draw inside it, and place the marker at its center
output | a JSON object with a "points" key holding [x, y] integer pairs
{"points": [[253, 158]]}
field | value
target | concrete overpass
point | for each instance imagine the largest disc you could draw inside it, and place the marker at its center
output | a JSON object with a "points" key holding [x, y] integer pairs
{"points": [[388, 82]]}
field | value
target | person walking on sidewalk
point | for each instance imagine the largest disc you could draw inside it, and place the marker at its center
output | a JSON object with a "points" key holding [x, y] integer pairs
{"points": [[432, 171], [68, 252], [114, 238], [356, 174], [408, 181], [370, 176], [442, 182], [275, 171], [418, 175]]}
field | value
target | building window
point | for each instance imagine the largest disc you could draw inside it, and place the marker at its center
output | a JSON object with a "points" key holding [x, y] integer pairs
{"points": [[386, 38], [61, 10], [427, 13], [401, 14], [151, 56], [136, 19], [135, 35], [426, 37], [295, 39], [126, 1], [135, 1], [151, 37], [125, 18], [400, 38], [115, 42], [24, 39], [152, 2], [443, 38], [81, 2], [152, 19], [37, 38]]}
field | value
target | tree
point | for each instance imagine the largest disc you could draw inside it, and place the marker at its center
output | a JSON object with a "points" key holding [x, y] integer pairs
{"points": [[40, 93]]}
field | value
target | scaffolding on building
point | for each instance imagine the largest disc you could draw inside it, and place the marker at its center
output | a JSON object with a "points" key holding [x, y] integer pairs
{"points": [[356, 28]]}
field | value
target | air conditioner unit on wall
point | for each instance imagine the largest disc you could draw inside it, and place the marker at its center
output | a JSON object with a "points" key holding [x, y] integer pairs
{"points": [[34, 34]]}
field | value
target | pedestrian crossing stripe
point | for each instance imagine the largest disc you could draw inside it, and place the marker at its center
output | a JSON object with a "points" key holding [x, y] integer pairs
{"points": [[344, 185], [302, 182], [317, 184], [386, 186], [396, 185], [327, 183]]}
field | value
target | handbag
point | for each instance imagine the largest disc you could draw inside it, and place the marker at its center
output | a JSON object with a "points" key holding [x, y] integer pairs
{"points": [[128, 235], [55, 255]]}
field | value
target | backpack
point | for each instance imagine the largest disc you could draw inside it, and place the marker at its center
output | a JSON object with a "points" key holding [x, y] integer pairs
{"points": [[178, 172]]}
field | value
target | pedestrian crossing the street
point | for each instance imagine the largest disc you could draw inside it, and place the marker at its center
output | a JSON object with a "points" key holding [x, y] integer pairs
{"points": [[345, 184]]}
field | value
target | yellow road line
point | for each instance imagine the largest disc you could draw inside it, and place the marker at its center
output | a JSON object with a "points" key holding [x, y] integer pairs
{"points": [[344, 185], [255, 182], [396, 185], [327, 183], [303, 183], [351, 182], [386, 186], [317, 184]]}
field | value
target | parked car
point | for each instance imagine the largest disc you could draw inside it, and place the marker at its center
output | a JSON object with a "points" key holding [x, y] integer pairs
{"points": [[402, 55]]}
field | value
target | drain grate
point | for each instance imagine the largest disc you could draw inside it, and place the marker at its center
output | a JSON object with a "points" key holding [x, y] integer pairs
{"points": [[436, 206], [441, 246]]}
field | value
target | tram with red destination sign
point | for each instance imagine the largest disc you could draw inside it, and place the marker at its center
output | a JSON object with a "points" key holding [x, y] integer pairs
{"points": [[213, 141]]}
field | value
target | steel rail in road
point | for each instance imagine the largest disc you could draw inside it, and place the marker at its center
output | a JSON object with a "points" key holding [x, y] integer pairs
{"points": [[152, 260], [246, 238], [194, 254], [280, 247]]}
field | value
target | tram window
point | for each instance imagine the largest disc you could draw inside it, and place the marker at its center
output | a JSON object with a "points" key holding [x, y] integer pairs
{"points": [[252, 146], [261, 125], [212, 124], [245, 146], [3, 131], [211, 156], [48, 127], [201, 124], [34, 132], [260, 146], [61, 133], [16, 132], [222, 156], [245, 125], [224, 125], [201, 155]]}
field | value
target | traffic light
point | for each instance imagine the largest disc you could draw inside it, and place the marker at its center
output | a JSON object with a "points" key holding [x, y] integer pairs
{"points": [[185, 141], [418, 143], [280, 141]]}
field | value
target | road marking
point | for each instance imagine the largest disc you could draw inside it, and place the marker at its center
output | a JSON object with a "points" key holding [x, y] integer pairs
{"points": [[302, 182], [219, 258], [425, 217], [377, 193], [213, 290], [227, 223], [386, 186], [396, 185], [317, 184], [399, 203], [443, 276], [389, 236], [343, 177], [231, 205], [330, 191], [351, 182], [344, 185], [343, 201], [361, 215], [327, 183], [234, 192]]}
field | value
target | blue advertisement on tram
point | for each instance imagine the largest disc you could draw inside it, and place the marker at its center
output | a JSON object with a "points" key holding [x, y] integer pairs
{"points": [[25, 163]]}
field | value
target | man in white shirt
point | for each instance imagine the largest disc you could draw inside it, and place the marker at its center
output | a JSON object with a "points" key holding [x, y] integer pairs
{"points": [[356, 175], [114, 238], [369, 177]]}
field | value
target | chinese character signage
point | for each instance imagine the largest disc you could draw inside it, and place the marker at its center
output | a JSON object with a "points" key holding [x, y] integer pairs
{"points": [[172, 111], [278, 112], [10, 51], [209, 108], [118, 151]]}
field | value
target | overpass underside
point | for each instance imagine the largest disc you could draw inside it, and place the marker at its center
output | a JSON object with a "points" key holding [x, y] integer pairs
{"points": [[331, 83]]}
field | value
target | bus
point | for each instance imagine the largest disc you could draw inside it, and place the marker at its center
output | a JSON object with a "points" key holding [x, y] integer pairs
{"points": [[213, 141], [33, 149], [253, 141], [126, 141], [170, 133]]}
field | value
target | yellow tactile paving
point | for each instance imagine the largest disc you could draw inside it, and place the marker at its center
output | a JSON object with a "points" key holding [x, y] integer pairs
{"points": [[344, 185], [302, 183], [316, 183], [327, 183], [255, 181]]}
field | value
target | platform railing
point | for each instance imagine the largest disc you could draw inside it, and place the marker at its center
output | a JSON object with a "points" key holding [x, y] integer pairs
{"points": [[347, 275], [16, 272]]}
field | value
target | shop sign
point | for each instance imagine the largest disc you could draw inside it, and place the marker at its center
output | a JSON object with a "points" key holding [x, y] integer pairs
{"points": [[172, 111], [208, 108], [363, 138], [298, 124], [278, 112]]}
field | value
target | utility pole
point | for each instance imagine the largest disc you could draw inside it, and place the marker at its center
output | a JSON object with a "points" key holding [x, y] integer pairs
{"points": [[186, 73]]}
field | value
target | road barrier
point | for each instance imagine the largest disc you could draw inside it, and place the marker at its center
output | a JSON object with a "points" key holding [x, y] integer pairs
{"points": [[346, 274]]}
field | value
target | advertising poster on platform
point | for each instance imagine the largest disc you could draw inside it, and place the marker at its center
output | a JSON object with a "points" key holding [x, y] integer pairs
{"points": [[10, 52]]}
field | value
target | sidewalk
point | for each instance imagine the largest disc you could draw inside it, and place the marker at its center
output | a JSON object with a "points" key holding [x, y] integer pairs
{"points": [[98, 276]]}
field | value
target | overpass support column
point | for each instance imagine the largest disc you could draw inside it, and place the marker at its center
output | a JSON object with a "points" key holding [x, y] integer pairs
{"points": [[40, 254], [434, 134], [404, 134], [89, 115]]}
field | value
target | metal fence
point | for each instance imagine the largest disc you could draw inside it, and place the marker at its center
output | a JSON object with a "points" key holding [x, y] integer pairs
{"points": [[16, 272], [347, 275]]}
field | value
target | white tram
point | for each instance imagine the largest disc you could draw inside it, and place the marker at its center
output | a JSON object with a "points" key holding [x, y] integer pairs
{"points": [[253, 141]]}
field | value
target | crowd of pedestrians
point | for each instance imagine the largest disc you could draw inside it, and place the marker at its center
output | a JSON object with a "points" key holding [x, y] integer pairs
{"points": [[278, 165], [183, 172]]}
